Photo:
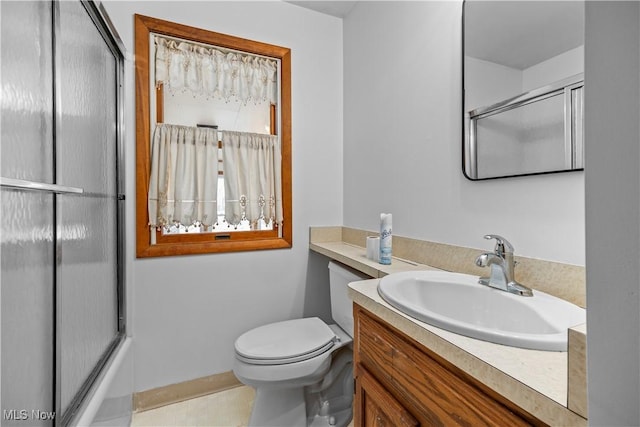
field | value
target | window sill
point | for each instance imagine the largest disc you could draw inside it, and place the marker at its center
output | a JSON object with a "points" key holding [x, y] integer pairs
{"points": [[173, 247]]}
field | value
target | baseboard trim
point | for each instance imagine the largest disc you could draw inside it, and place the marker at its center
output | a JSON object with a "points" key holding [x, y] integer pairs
{"points": [[174, 393]]}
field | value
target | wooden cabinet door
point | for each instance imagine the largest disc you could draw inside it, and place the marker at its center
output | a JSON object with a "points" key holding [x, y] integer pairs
{"points": [[375, 407], [397, 375]]}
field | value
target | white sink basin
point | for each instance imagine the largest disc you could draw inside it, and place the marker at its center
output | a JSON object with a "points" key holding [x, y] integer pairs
{"points": [[458, 303]]}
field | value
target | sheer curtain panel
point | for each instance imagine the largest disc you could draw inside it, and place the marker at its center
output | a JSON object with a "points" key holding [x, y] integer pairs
{"points": [[183, 186], [252, 177]]}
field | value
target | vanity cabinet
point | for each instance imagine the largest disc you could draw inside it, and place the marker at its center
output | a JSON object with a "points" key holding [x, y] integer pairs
{"points": [[399, 382]]}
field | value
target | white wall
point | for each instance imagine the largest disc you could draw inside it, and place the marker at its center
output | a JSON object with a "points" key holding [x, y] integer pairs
{"points": [[402, 154], [553, 69], [187, 311], [403, 142], [487, 83], [612, 138]]}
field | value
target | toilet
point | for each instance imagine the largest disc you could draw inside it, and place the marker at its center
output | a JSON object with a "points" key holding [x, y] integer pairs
{"points": [[302, 369]]}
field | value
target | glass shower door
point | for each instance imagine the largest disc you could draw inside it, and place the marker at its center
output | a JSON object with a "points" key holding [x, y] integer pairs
{"points": [[86, 142], [61, 285], [26, 230]]}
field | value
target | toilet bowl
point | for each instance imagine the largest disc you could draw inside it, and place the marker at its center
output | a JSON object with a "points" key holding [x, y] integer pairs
{"points": [[302, 368]]}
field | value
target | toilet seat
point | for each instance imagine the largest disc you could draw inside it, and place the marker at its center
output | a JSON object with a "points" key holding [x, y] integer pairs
{"points": [[285, 342]]}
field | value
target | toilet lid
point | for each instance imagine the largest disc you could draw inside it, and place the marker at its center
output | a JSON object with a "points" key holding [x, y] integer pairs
{"points": [[285, 342]]}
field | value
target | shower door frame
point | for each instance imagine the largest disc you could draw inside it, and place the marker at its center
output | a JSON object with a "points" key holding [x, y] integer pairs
{"points": [[107, 30], [108, 33]]}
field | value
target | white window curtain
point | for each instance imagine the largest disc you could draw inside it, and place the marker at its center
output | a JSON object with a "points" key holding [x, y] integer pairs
{"points": [[183, 185], [252, 177], [215, 72]]}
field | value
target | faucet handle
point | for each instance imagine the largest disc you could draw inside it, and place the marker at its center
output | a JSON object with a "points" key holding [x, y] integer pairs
{"points": [[502, 245]]}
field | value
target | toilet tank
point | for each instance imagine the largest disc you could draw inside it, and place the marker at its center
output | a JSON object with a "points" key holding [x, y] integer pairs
{"points": [[341, 306]]}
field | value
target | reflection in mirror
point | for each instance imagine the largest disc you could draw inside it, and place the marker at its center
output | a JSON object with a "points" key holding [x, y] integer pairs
{"points": [[213, 141], [523, 87]]}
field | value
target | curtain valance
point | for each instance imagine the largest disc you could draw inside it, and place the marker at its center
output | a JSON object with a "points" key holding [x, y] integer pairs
{"points": [[215, 72]]}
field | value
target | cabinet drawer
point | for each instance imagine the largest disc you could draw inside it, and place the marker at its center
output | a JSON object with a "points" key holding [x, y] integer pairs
{"points": [[375, 350], [436, 394], [376, 407]]}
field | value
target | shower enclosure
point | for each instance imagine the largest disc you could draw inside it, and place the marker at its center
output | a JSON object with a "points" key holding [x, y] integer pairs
{"points": [[61, 289]]}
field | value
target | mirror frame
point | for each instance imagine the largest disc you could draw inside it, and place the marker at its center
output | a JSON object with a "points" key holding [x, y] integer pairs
{"points": [[466, 149], [200, 243]]}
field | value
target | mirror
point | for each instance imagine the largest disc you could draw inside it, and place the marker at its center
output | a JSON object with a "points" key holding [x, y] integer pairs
{"points": [[523, 64]]}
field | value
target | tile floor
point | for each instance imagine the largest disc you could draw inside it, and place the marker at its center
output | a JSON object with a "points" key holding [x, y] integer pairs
{"points": [[229, 408]]}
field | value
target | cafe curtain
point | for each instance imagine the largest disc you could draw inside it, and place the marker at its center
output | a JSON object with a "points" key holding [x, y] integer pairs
{"points": [[252, 177], [183, 185]]}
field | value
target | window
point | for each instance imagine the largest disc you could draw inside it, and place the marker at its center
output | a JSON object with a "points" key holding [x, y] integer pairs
{"points": [[165, 235]]}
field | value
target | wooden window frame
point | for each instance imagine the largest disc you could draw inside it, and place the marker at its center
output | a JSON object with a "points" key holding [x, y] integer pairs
{"points": [[201, 243]]}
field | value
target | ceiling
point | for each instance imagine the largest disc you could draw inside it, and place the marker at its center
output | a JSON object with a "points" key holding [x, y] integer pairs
{"points": [[519, 34], [335, 8], [536, 30]]}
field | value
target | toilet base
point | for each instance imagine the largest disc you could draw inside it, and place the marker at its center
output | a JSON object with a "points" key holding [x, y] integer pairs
{"points": [[278, 408], [313, 392], [330, 402], [340, 419]]}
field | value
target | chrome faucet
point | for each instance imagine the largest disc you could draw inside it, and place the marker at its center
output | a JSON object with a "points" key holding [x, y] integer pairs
{"points": [[502, 268]]}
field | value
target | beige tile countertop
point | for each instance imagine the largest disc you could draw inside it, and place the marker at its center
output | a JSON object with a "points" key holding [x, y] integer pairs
{"points": [[537, 381]]}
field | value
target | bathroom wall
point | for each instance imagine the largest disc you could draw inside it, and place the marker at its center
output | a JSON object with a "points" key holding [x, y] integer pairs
{"points": [[490, 82], [553, 69], [187, 311], [612, 135], [402, 155], [403, 142]]}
